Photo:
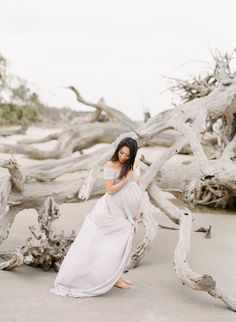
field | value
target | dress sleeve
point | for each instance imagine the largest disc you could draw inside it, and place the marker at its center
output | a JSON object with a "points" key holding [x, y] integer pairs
{"points": [[108, 173]]}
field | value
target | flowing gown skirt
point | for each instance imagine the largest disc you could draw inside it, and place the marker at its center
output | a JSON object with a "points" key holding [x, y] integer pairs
{"points": [[99, 253]]}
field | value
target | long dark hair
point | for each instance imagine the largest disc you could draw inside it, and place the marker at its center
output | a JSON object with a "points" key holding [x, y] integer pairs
{"points": [[133, 147]]}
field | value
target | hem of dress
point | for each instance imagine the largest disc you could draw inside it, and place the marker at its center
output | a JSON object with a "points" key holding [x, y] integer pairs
{"points": [[70, 292], [74, 292]]}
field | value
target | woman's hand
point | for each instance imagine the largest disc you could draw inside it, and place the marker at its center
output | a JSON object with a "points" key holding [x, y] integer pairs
{"points": [[138, 217]]}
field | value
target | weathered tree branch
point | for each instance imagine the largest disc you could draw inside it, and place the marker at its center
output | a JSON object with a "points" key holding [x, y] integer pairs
{"points": [[187, 276]]}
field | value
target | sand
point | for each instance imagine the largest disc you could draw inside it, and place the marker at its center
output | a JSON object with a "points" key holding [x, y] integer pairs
{"points": [[157, 293]]}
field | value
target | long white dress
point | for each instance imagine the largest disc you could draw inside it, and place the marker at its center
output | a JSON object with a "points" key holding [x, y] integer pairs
{"points": [[99, 253]]}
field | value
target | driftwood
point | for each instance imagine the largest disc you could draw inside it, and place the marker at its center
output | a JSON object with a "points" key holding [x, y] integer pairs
{"points": [[84, 133], [199, 230], [13, 130], [44, 249], [209, 183], [75, 138]]}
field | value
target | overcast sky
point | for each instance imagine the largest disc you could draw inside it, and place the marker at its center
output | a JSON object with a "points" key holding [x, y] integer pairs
{"points": [[116, 49]]}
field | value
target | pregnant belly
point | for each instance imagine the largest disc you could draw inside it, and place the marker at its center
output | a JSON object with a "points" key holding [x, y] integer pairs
{"points": [[130, 197]]}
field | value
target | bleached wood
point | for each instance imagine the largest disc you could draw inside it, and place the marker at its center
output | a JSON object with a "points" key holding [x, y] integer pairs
{"points": [[16, 175], [199, 282], [8, 131], [151, 226], [44, 248]]}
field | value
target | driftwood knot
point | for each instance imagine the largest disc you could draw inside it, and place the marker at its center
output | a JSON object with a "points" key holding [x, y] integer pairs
{"points": [[206, 282]]}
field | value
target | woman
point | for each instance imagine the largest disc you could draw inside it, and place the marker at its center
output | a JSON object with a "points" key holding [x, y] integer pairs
{"points": [[99, 253]]}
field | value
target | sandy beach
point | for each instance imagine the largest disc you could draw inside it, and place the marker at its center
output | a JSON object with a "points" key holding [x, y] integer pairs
{"points": [[157, 293]]}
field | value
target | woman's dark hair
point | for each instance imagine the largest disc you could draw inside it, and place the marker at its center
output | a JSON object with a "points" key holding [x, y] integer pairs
{"points": [[133, 148]]}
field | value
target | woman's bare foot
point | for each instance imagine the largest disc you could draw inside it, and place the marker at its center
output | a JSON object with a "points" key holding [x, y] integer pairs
{"points": [[126, 281], [121, 284]]}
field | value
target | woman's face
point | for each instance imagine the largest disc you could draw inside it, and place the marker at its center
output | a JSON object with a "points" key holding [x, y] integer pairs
{"points": [[124, 154]]}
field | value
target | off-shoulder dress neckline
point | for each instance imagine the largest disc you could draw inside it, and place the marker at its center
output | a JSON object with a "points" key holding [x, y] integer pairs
{"points": [[112, 168], [106, 166]]}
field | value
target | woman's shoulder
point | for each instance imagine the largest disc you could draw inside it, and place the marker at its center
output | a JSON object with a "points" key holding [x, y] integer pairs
{"points": [[111, 165], [108, 171]]}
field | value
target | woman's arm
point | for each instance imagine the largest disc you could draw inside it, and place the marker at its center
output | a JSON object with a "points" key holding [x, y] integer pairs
{"points": [[112, 187]]}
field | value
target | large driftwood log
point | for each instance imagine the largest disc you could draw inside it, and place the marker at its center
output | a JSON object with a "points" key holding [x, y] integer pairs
{"points": [[193, 120]]}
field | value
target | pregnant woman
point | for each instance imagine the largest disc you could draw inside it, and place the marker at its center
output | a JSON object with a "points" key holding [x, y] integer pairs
{"points": [[97, 257]]}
